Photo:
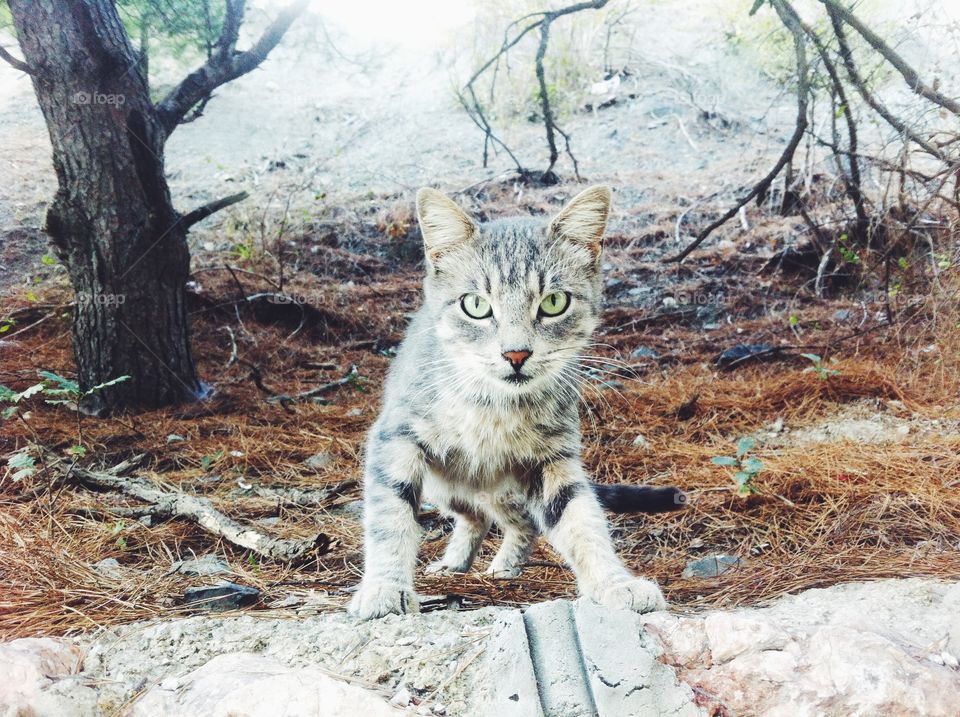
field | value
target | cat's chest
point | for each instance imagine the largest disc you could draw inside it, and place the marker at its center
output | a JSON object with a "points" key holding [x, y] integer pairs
{"points": [[482, 439]]}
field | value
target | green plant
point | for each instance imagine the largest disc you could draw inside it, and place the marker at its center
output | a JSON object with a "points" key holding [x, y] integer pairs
{"points": [[823, 373], [209, 460], [57, 390], [846, 253], [746, 468]]}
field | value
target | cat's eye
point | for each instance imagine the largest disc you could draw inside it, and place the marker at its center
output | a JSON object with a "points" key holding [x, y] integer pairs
{"points": [[475, 306], [555, 304]]}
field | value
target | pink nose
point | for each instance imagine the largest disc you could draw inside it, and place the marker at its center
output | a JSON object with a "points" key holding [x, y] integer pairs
{"points": [[516, 358]]}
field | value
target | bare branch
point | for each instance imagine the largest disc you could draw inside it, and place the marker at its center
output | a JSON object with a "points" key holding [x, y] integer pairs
{"points": [[176, 504], [761, 187], [852, 183], [890, 55], [868, 97], [17, 64], [201, 213], [225, 64], [474, 108]]}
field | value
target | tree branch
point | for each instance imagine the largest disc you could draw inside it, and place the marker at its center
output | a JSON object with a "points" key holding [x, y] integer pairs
{"points": [[853, 73], [890, 55], [853, 182], [17, 64], [201, 213], [760, 188], [475, 110], [225, 64], [176, 504]]}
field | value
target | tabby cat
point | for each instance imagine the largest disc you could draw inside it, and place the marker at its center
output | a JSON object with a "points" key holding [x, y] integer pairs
{"points": [[480, 413]]}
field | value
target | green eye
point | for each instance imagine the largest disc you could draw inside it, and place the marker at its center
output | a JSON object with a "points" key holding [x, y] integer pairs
{"points": [[475, 306], [555, 304]]}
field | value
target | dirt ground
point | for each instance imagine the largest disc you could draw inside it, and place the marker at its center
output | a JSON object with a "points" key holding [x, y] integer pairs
{"points": [[860, 465]]}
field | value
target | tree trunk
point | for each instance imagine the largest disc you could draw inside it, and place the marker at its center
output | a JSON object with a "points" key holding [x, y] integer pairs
{"points": [[112, 222]]}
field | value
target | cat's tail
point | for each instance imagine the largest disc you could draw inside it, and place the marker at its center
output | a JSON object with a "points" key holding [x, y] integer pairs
{"points": [[626, 498]]}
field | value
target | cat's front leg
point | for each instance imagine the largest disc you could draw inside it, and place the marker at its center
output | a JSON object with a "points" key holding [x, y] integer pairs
{"points": [[575, 525], [468, 533], [393, 477]]}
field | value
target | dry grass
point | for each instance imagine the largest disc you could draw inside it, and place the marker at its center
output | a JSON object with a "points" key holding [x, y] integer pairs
{"points": [[827, 513]]}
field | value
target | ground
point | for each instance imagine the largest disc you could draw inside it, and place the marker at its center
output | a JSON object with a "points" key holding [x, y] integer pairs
{"points": [[861, 458]]}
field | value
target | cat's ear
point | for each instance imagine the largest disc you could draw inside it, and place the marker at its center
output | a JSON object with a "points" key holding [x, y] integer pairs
{"points": [[584, 219], [443, 224]]}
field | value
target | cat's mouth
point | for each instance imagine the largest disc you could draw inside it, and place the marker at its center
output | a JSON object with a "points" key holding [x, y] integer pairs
{"points": [[517, 378]]}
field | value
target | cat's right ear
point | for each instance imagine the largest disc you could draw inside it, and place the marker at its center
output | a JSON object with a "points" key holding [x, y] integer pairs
{"points": [[443, 224]]}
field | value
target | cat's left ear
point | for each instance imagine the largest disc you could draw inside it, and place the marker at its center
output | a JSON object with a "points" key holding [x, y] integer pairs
{"points": [[584, 219], [443, 224]]}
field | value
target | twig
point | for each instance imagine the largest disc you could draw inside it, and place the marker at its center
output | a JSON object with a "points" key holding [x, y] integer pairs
{"points": [[17, 64], [317, 391], [201, 213], [761, 187], [301, 497], [910, 75], [854, 74], [225, 63], [176, 504]]}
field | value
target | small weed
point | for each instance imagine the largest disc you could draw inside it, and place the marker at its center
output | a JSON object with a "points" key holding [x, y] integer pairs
{"points": [[823, 372], [746, 468]]}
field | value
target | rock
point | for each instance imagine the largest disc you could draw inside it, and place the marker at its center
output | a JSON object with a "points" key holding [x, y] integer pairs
{"points": [[887, 648], [625, 680], [222, 596], [852, 649], [711, 567], [402, 698], [640, 441], [32, 669], [644, 352], [742, 353], [205, 565], [248, 685], [109, 567], [506, 685], [318, 460], [841, 315]]}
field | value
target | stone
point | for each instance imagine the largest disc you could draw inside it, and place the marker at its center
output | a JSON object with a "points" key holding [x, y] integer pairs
{"points": [[318, 460], [205, 565], [711, 567], [625, 676], [855, 649], [841, 315], [552, 635], [248, 685], [222, 596], [108, 566], [640, 441], [506, 685], [33, 669], [644, 352], [887, 648], [744, 353]]}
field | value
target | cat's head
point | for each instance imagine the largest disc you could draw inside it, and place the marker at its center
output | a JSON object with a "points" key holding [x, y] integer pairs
{"points": [[514, 300]]}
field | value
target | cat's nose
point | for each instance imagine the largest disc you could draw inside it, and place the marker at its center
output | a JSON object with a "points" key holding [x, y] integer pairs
{"points": [[517, 358]]}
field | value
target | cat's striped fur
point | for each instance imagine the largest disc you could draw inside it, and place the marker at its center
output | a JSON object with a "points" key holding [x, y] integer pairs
{"points": [[487, 441]]}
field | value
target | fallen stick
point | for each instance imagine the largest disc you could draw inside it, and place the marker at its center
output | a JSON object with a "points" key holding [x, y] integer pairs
{"points": [[176, 504]]}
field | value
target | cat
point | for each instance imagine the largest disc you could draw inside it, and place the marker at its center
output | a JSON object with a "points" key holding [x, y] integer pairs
{"points": [[480, 411]]}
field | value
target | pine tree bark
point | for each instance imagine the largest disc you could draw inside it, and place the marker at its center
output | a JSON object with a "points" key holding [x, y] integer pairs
{"points": [[112, 222]]}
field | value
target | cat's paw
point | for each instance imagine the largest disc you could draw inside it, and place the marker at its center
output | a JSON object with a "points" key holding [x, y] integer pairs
{"points": [[637, 594], [442, 567], [379, 599], [503, 571]]}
